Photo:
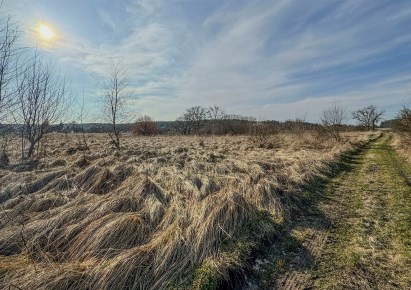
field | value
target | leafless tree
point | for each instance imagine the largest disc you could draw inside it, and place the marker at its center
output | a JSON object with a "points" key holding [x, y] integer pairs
{"points": [[114, 99], [368, 117], [215, 114], [332, 120], [404, 118], [144, 126], [197, 116], [6, 137], [82, 140], [183, 126], [191, 121], [402, 124], [9, 52], [42, 100]]}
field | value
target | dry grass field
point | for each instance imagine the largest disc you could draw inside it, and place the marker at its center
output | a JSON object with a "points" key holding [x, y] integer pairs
{"points": [[402, 145], [164, 213]]}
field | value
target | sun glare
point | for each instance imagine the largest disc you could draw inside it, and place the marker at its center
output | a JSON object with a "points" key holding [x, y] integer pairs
{"points": [[45, 32]]}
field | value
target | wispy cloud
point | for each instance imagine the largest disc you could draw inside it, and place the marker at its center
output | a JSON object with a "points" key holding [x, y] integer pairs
{"points": [[270, 59]]}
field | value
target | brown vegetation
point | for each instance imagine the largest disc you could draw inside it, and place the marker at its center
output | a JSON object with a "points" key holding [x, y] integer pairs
{"points": [[41, 101], [145, 126], [114, 99], [332, 121], [164, 212], [402, 127]]}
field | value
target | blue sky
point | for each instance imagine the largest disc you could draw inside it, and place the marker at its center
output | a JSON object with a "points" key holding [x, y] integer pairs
{"points": [[270, 59]]}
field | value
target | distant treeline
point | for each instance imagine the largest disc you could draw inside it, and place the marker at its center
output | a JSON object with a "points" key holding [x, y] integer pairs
{"points": [[389, 123], [234, 126]]}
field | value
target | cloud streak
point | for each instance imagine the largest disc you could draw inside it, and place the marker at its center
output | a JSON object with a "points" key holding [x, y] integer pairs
{"points": [[270, 59]]}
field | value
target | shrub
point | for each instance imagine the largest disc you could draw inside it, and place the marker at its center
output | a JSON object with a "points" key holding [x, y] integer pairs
{"points": [[145, 126], [262, 135]]}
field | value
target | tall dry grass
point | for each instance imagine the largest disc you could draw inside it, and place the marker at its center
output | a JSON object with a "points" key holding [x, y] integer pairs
{"points": [[166, 212], [402, 143]]}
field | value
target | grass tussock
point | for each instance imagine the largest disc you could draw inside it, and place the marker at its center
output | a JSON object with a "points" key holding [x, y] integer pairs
{"points": [[402, 142], [165, 212]]}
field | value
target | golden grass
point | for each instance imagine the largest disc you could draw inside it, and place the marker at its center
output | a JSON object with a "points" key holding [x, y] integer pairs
{"points": [[164, 212], [402, 145]]}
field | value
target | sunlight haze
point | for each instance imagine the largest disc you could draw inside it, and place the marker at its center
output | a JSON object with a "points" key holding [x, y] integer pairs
{"points": [[269, 59]]}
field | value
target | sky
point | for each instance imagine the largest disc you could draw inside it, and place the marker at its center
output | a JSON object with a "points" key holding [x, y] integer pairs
{"points": [[279, 60]]}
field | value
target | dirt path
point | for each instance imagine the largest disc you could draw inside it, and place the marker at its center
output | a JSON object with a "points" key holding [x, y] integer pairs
{"points": [[353, 233]]}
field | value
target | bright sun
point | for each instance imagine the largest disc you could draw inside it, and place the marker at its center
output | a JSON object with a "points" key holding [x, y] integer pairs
{"points": [[45, 32]]}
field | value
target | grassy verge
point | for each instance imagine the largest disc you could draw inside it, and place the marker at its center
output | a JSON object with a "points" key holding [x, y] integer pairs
{"points": [[369, 248]]}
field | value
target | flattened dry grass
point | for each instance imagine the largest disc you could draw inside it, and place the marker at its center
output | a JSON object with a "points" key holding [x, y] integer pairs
{"points": [[165, 212], [401, 143]]}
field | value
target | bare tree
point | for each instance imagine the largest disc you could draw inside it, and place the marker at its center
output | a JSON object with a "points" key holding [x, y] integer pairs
{"points": [[183, 126], [191, 121], [144, 126], [404, 118], [42, 100], [402, 124], [215, 114], [368, 117], [9, 52], [6, 137], [197, 116], [82, 140], [114, 99], [332, 120]]}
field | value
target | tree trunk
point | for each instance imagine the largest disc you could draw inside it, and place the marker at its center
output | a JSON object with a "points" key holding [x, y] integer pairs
{"points": [[31, 149]]}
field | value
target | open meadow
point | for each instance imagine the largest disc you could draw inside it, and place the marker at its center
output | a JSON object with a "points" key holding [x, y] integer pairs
{"points": [[164, 212], [205, 145]]}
